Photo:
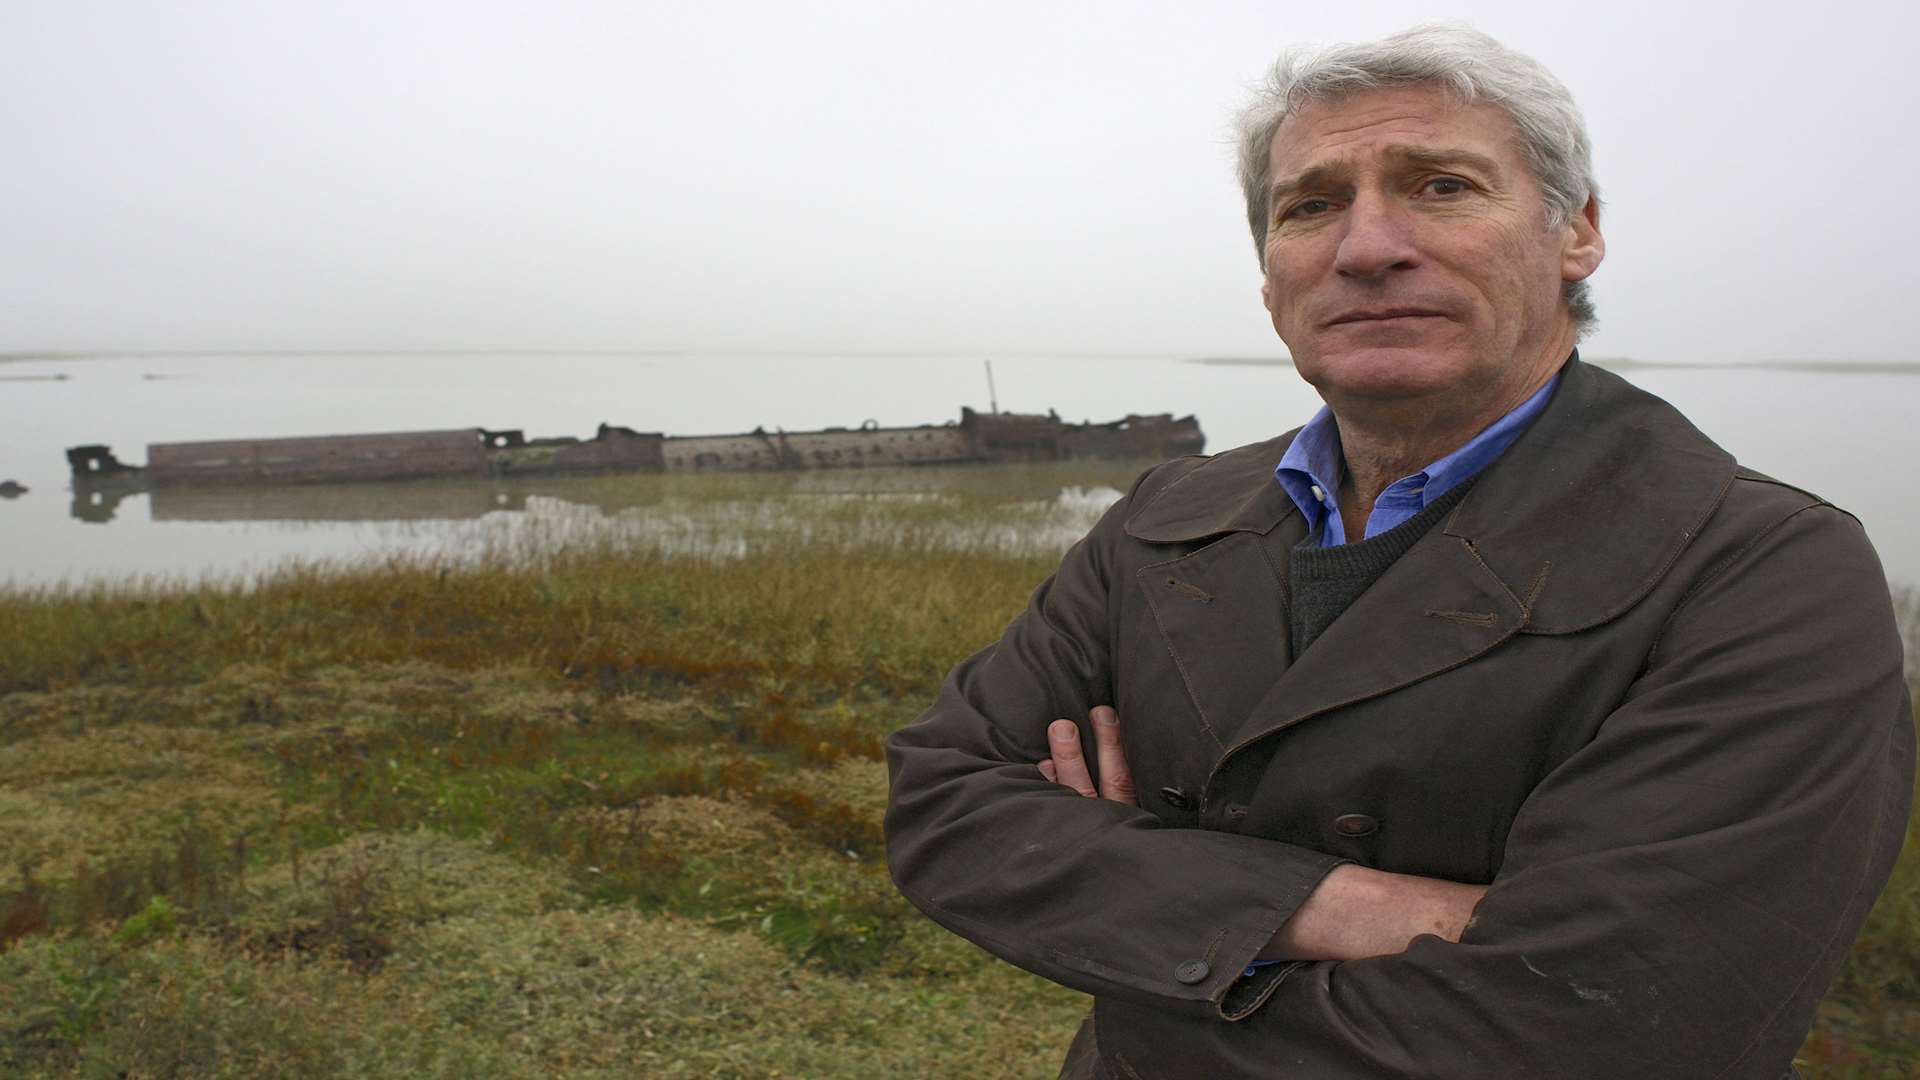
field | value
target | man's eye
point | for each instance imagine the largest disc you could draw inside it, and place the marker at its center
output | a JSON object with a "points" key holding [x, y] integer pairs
{"points": [[1446, 185], [1307, 208]]}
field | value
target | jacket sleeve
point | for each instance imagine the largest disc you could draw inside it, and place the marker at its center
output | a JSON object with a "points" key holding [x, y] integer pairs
{"points": [[1677, 895], [1089, 893]]}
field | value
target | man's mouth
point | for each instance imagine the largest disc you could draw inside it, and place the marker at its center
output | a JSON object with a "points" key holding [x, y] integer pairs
{"points": [[1382, 314]]}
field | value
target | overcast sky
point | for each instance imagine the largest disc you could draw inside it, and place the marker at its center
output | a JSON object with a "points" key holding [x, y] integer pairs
{"points": [[991, 177]]}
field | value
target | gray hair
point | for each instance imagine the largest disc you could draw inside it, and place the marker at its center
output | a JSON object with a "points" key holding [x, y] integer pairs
{"points": [[1470, 64]]}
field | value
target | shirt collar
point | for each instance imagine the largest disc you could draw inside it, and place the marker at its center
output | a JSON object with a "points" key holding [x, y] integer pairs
{"points": [[1311, 470], [1463, 464]]}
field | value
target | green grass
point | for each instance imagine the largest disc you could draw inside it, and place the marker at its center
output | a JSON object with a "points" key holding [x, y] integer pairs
{"points": [[604, 803]]}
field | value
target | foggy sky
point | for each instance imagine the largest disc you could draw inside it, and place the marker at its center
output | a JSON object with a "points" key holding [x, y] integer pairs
{"points": [[991, 177]]}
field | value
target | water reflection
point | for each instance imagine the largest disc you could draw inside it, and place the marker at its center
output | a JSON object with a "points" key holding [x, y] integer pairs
{"points": [[363, 502], [97, 507], [461, 499], [1013, 510]]}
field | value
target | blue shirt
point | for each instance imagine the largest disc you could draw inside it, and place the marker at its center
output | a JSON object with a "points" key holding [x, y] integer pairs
{"points": [[1311, 470]]}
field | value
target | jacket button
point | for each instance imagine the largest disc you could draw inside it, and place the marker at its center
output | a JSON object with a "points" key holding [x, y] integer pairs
{"points": [[1192, 971], [1355, 825], [1176, 798]]}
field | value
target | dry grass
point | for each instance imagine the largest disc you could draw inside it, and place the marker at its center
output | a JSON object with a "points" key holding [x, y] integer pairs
{"points": [[601, 807]]}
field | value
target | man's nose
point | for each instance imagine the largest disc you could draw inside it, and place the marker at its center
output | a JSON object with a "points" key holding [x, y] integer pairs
{"points": [[1378, 238]]}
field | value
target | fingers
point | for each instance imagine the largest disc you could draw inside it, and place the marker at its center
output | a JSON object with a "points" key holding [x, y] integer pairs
{"points": [[1116, 780], [1069, 765]]}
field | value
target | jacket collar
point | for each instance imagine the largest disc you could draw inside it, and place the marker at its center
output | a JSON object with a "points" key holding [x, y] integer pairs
{"points": [[1230, 492], [1578, 519]]}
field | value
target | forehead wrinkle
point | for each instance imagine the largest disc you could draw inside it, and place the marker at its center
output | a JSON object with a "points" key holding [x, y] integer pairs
{"points": [[1360, 123], [1442, 156]]}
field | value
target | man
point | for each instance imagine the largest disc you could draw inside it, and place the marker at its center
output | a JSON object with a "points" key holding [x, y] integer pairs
{"points": [[1497, 723]]}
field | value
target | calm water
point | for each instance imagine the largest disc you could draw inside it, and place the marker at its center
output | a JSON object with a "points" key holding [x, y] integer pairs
{"points": [[1850, 437]]}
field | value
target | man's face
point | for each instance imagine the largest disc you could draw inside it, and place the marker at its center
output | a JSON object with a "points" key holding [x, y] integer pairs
{"points": [[1407, 253]]}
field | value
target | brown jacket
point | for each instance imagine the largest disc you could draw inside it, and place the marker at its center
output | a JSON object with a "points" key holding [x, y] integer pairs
{"points": [[1652, 698]]}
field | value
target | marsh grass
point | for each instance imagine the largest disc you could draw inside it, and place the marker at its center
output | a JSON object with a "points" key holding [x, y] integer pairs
{"points": [[592, 805]]}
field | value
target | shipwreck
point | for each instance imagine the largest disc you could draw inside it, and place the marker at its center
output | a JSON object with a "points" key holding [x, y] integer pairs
{"points": [[978, 438]]}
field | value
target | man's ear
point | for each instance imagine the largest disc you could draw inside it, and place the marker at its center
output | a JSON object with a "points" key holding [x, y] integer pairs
{"points": [[1266, 293], [1584, 247]]}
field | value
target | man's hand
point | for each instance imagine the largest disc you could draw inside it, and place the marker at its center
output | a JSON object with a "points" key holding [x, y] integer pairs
{"points": [[1068, 766], [1356, 911]]}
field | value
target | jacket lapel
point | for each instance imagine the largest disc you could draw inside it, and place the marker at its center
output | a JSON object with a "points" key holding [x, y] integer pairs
{"points": [[1436, 608], [1606, 488], [1221, 607], [1223, 614]]}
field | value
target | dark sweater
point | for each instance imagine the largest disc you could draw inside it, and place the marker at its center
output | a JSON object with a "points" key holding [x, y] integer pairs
{"points": [[1324, 581]]}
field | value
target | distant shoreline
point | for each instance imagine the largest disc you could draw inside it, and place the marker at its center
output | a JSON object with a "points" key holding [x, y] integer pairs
{"points": [[43, 355], [144, 354], [1618, 363], [1623, 363]]}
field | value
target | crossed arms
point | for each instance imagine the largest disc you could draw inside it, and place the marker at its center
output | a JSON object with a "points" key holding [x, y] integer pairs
{"points": [[1354, 913]]}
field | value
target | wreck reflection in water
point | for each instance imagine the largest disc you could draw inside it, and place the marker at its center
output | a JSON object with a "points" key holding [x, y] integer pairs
{"points": [[425, 501], [1013, 510]]}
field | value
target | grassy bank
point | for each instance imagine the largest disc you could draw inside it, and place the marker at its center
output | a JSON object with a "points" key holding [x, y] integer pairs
{"points": [[604, 808]]}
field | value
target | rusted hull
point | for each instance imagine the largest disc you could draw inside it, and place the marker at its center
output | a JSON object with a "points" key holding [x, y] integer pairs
{"points": [[337, 459], [835, 448], [401, 455]]}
